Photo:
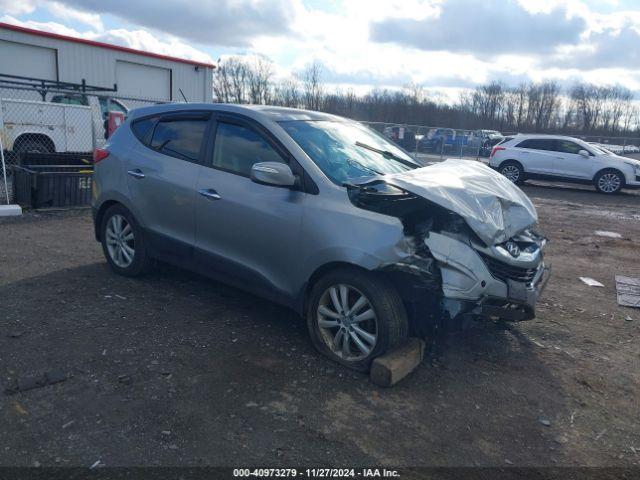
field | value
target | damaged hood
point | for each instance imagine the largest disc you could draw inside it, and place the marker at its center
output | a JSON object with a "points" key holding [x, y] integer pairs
{"points": [[492, 206]]}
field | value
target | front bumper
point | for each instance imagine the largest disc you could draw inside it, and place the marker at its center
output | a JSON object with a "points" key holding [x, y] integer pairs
{"points": [[520, 303], [634, 182], [470, 286]]}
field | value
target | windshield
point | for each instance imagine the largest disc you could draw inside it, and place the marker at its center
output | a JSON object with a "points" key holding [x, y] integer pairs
{"points": [[347, 150], [600, 149]]}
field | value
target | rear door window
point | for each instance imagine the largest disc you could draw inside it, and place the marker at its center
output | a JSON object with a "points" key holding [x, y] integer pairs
{"points": [[538, 144], [179, 137]]}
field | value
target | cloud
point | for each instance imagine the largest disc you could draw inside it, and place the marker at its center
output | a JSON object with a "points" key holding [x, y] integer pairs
{"points": [[138, 39], [212, 22], [611, 48], [64, 12], [53, 27], [485, 29], [440, 44], [17, 7], [143, 40]]}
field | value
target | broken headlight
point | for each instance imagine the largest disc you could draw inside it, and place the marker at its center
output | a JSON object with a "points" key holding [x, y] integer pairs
{"points": [[383, 198], [382, 188]]}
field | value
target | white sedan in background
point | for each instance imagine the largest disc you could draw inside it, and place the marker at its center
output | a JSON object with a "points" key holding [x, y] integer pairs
{"points": [[568, 159]]}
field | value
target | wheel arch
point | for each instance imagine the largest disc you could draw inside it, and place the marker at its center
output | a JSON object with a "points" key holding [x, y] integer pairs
{"points": [[39, 137], [611, 169], [512, 160], [100, 215], [322, 270], [106, 200]]}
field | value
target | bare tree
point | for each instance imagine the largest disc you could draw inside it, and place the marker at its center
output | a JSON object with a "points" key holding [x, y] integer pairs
{"points": [[415, 92], [622, 99], [313, 90], [231, 80], [522, 105], [259, 77], [543, 107], [487, 101], [287, 93], [222, 83]]}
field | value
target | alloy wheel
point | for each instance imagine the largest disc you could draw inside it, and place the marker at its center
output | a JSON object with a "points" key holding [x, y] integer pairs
{"points": [[347, 322], [120, 241], [609, 182], [511, 172]]}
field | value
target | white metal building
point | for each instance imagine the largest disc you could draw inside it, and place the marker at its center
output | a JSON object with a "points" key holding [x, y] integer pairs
{"points": [[137, 74]]}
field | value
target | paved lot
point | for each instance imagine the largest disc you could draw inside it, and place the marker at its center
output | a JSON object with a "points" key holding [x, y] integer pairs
{"points": [[174, 369]]}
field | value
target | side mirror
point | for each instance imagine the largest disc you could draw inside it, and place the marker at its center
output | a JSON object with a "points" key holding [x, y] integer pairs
{"points": [[273, 173], [584, 153]]}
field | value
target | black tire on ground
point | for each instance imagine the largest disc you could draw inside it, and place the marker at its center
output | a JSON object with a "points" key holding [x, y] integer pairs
{"points": [[141, 261], [391, 315], [513, 171], [33, 146], [609, 182]]}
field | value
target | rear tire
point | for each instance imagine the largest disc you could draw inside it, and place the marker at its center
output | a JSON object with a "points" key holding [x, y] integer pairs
{"points": [[513, 171], [609, 182], [123, 243], [33, 146], [371, 321]]}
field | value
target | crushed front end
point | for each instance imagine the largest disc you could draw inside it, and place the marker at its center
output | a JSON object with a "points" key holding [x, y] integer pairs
{"points": [[449, 270], [500, 281]]}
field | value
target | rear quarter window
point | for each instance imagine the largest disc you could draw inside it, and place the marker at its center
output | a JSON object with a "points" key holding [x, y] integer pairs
{"points": [[142, 129]]}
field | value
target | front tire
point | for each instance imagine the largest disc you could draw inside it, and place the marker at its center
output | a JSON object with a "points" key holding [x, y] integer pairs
{"points": [[609, 182], [513, 171], [123, 243], [355, 316]]}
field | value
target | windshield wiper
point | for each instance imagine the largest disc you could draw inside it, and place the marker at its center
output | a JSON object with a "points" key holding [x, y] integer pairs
{"points": [[388, 154], [362, 165]]}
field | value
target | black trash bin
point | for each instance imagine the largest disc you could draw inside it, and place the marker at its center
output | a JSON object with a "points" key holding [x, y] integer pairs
{"points": [[53, 186]]}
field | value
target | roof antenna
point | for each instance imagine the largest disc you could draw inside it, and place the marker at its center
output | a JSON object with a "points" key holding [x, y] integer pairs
{"points": [[182, 93]]}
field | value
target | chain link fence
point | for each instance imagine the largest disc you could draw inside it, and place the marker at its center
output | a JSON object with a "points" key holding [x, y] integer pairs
{"points": [[434, 144], [48, 136], [50, 133]]}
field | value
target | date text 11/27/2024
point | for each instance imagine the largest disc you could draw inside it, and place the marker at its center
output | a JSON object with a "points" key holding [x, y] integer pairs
{"points": [[316, 472]]}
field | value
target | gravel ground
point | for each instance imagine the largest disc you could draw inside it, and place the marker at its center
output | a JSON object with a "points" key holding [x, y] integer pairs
{"points": [[174, 369]]}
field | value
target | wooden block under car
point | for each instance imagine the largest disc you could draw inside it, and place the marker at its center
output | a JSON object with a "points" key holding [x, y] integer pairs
{"points": [[392, 367]]}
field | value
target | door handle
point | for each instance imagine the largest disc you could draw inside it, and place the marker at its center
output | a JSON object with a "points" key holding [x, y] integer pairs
{"points": [[209, 193], [136, 173]]}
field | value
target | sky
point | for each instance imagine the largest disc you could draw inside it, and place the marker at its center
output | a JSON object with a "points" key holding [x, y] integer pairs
{"points": [[443, 45]]}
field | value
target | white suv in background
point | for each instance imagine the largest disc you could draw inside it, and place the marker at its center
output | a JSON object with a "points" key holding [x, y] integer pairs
{"points": [[562, 158]]}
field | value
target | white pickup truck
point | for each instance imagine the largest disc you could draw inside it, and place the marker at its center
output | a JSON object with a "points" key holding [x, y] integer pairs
{"points": [[67, 123]]}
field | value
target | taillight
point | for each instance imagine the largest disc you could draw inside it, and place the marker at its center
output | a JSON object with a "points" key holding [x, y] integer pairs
{"points": [[494, 150], [100, 154]]}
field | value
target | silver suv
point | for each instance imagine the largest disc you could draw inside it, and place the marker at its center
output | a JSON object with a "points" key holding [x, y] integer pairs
{"points": [[320, 214]]}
